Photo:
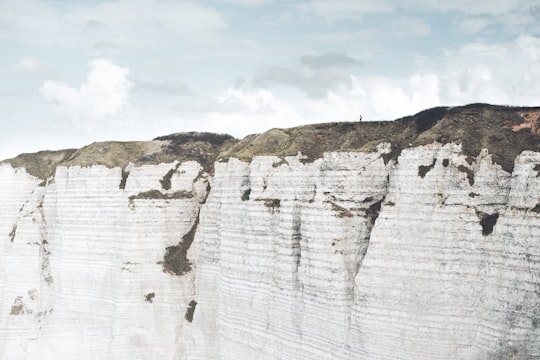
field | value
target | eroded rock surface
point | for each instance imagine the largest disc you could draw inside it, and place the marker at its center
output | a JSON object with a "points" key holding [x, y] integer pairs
{"points": [[416, 239]]}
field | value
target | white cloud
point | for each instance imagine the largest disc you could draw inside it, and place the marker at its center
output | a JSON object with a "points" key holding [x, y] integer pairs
{"points": [[164, 88], [476, 7], [328, 60], [315, 83], [32, 66], [124, 16], [316, 74], [505, 73], [251, 3], [241, 112], [235, 101], [405, 27], [129, 23], [334, 10], [473, 24], [105, 92]]}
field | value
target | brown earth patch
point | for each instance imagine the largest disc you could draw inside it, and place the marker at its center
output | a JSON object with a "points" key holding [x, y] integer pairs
{"points": [[531, 121]]}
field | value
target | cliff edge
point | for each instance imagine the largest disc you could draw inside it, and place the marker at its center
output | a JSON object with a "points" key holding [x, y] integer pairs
{"points": [[410, 239]]}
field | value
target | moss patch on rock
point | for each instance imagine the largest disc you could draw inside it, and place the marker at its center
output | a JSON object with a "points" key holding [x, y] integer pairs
{"points": [[156, 194], [190, 311], [41, 164], [175, 260], [149, 297]]}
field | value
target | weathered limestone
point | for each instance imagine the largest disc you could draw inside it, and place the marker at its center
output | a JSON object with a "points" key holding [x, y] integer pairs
{"points": [[430, 256], [83, 275]]}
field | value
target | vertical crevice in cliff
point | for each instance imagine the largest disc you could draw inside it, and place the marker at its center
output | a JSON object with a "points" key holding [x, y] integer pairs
{"points": [[175, 260], [190, 311], [46, 274], [371, 214], [13, 232], [245, 187], [123, 181], [296, 239]]}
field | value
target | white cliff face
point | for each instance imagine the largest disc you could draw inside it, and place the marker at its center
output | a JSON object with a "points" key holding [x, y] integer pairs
{"points": [[82, 276], [282, 247], [452, 270], [346, 257], [308, 268]]}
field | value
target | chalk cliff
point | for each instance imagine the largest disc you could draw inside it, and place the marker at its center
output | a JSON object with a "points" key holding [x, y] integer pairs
{"points": [[412, 239]]}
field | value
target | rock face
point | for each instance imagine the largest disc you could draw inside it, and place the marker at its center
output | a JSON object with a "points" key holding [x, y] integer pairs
{"points": [[416, 239]]}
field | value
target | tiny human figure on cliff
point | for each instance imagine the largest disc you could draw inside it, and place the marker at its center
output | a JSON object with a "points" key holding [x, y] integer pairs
{"points": [[360, 118]]}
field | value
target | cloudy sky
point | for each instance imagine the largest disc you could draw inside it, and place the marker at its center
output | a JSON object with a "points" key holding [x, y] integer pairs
{"points": [[73, 72]]}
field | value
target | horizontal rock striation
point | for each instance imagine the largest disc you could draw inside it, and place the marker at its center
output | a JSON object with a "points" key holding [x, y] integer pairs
{"points": [[413, 239], [84, 275], [347, 257]]}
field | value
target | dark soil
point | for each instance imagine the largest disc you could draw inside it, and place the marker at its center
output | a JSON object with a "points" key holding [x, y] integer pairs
{"points": [[475, 127], [504, 131]]}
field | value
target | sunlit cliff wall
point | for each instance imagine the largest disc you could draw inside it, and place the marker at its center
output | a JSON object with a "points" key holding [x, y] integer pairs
{"points": [[417, 239]]}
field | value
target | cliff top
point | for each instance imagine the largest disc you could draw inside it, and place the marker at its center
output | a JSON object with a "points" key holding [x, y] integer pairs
{"points": [[505, 131], [201, 147]]}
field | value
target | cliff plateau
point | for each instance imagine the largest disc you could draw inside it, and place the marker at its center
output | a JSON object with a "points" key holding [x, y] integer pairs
{"points": [[412, 239]]}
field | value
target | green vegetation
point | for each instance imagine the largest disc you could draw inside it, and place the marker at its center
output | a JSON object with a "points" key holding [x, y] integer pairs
{"points": [[245, 195], [13, 232], [149, 297], [42, 164], [175, 260], [475, 127], [18, 306], [201, 147], [504, 131], [156, 194], [190, 310], [166, 180]]}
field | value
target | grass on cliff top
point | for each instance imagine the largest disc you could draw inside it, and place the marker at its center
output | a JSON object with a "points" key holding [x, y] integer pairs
{"points": [[475, 126], [41, 164], [201, 147], [112, 153]]}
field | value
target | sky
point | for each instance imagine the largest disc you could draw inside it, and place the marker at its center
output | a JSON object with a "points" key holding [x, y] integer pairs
{"points": [[77, 71]]}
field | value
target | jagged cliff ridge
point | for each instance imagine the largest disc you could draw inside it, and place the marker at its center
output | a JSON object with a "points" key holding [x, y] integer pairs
{"points": [[395, 240]]}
